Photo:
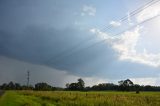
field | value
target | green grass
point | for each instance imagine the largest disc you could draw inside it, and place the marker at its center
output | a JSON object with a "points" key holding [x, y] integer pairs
{"points": [[12, 98], [66, 98]]}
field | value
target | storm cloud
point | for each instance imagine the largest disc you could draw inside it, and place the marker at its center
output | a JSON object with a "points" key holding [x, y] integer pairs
{"points": [[53, 40]]}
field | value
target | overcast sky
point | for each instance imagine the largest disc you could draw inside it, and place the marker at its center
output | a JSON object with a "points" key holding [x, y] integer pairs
{"points": [[59, 41]]}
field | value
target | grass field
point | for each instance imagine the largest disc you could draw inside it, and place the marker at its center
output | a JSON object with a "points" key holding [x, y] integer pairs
{"points": [[66, 98]]}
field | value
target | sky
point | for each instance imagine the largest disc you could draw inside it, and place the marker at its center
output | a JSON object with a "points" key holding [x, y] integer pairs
{"points": [[59, 41]]}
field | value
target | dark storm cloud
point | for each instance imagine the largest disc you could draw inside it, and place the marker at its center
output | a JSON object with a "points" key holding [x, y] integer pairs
{"points": [[35, 31], [45, 46], [40, 45]]}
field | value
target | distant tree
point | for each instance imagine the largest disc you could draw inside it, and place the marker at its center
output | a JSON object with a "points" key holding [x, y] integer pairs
{"points": [[148, 88], [104, 86], [4, 86], [87, 88], [125, 85], [137, 88], [17, 86], [43, 86], [76, 86], [67, 85], [73, 86], [81, 84], [24, 87], [11, 85]]}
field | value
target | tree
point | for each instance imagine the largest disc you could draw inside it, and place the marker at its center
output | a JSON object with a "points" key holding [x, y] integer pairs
{"points": [[73, 86], [125, 84], [137, 88], [11, 85], [17, 86], [76, 86], [105, 86], [67, 85], [4, 86], [81, 84], [43, 86]]}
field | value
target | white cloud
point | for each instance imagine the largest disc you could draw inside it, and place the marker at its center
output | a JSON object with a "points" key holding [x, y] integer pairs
{"points": [[115, 23], [125, 45], [149, 12], [88, 10], [100, 34], [154, 81], [90, 81]]}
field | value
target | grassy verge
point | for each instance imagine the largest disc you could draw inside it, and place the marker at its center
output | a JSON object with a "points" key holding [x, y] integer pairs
{"points": [[11, 98]]}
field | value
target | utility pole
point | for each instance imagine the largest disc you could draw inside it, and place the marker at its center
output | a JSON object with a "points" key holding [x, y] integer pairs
{"points": [[28, 78]]}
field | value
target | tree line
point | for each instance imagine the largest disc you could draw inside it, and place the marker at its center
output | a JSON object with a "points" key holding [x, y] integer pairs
{"points": [[16, 86], [123, 85]]}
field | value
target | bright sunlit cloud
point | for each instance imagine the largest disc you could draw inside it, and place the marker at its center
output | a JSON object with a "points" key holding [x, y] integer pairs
{"points": [[126, 43], [149, 12]]}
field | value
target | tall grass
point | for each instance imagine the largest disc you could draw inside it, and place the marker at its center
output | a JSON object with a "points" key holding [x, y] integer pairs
{"points": [[66, 98]]}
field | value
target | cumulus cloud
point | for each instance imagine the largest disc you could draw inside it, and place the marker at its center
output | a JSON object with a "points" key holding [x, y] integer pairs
{"points": [[88, 10], [115, 23], [125, 45]]}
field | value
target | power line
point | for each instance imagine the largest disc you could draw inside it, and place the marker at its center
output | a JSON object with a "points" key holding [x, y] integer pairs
{"points": [[126, 16], [90, 38], [69, 50], [102, 41], [133, 13], [122, 19]]}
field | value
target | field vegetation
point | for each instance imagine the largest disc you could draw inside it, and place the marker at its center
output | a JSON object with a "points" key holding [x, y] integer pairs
{"points": [[76, 94], [76, 98]]}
